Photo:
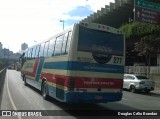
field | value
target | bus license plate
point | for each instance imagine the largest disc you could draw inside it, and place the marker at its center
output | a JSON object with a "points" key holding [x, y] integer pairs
{"points": [[98, 97]]}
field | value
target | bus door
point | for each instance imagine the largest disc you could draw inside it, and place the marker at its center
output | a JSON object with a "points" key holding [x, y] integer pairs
{"points": [[39, 69]]}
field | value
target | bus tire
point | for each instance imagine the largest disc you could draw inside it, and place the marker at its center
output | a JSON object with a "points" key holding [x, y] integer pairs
{"points": [[45, 90], [25, 82]]}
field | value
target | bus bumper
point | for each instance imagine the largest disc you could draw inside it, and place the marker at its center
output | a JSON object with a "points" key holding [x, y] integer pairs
{"points": [[74, 97]]}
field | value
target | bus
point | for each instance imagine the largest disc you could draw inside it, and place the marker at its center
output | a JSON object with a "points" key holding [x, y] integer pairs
{"points": [[82, 64]]}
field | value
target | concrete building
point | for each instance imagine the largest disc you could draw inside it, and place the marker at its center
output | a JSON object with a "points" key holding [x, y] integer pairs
{"points": [[1, 50], [24, 46], [1, 46]]}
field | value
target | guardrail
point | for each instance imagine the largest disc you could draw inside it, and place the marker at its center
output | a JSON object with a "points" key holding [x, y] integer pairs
{"points": [[2, 77]]}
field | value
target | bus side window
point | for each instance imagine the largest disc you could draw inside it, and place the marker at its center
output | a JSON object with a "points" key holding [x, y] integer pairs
{"points": [[29, 52], [46, 49], [51, 47], [41, 50], [37, 51], [26, 53], [64, 43], [58, 45], [68, 42], [34, 52]]}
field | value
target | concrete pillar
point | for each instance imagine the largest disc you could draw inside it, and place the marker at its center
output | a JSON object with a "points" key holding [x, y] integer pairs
{"points": [[112, 6], [117, 3]]}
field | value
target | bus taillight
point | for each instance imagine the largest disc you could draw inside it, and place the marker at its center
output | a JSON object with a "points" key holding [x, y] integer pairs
{"points": [[70, 84]]}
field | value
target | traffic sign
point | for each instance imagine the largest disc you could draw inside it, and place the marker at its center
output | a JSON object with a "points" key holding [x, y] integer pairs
{"points": [[148, 12], [146, 4]]}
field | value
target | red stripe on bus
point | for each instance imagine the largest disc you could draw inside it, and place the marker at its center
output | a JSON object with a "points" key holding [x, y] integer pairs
{"points": [[54, 78], [35, 65], [84, 82]]}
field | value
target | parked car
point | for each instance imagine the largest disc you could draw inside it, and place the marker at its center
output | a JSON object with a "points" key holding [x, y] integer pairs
{"points": [[138, 83]]}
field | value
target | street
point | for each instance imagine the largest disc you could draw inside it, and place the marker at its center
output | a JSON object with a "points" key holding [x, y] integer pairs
{"points": [[17, 96]]}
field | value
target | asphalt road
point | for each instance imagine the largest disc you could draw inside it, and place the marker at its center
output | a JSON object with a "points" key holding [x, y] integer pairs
{"points": [[17, 96]]}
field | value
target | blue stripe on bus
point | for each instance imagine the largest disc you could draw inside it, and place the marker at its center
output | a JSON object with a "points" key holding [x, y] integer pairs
{"points": [[40, 65], [75, 97], [84, 66], [87, 97]]}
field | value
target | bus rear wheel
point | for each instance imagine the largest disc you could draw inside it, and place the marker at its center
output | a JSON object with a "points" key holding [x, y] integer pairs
{"points": [[45, 90]]}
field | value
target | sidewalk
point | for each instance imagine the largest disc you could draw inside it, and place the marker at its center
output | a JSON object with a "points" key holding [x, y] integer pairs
{"points": [[156, 91]]}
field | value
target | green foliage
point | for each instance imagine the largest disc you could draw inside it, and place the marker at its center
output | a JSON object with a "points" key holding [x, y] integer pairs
{"points": [[146, 38], [138, 30]]}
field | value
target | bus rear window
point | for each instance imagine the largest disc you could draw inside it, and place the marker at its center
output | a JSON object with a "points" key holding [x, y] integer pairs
{"points": [[91, 40]]}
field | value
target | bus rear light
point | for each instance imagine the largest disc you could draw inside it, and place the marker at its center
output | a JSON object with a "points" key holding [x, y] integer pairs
{"points": [[70, 84]]}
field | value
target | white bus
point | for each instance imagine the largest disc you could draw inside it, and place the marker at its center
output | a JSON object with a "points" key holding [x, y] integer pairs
{"points": [[81, 64]]}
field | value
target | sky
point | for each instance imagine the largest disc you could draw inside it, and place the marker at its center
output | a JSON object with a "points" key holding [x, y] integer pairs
{"points": [[33, 21]]}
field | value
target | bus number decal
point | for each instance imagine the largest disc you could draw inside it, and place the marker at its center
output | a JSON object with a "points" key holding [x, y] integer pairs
{"points": [[117, 60]]}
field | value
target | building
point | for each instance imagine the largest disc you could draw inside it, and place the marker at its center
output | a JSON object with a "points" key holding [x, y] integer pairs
{"points": [[1, 49], [6, 53], [24, 46], [1, 46]]}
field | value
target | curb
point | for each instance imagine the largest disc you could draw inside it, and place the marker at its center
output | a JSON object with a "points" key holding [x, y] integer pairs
{"points": [[156, 91]]}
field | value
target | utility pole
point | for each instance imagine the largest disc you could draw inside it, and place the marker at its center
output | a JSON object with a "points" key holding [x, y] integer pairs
{"points": [[63, 23]]}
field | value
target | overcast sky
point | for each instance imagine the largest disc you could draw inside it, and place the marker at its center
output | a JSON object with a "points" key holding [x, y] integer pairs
{"points": [[32, 21]]}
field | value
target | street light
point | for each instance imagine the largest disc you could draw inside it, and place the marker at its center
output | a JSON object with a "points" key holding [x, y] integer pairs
{"points": [[63, 23]]}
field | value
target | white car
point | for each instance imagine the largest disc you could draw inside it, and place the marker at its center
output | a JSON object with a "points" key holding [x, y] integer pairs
{"points": [[138, 83]]}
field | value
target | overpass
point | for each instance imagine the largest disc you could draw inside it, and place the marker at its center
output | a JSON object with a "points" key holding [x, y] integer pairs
{"points": [[115, 14]]}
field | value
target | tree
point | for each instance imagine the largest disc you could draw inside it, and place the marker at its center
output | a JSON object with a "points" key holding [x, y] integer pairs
{"points": [[148, 46], [144, 37]]}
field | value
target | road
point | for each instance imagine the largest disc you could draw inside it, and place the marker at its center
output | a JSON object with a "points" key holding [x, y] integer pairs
{"points": [[17, 96]]}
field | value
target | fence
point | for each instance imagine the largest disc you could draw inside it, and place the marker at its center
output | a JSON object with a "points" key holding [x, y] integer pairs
{"points": [[2, 77], [152, 72]]}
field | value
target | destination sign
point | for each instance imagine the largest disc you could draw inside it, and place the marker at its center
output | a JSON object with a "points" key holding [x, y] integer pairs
{"points": [[147, 12], [147, 4]]}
